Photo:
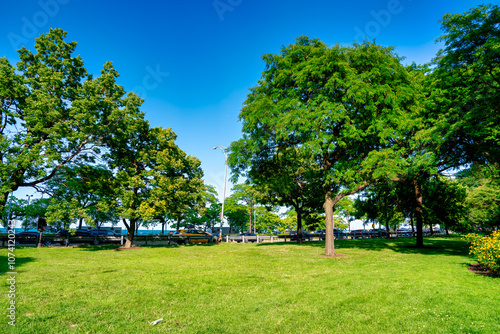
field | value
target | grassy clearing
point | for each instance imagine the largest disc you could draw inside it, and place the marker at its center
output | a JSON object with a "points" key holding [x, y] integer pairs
{"points": [[378, 287]]}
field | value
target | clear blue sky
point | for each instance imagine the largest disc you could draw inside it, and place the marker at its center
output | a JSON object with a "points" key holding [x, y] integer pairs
{"points": [[193, 61]]}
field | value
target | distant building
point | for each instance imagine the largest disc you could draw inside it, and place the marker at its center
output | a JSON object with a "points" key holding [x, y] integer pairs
{"points": [[225, 230]]}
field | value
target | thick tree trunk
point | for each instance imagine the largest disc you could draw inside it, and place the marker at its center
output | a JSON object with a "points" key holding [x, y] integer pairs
{"points": [[329, 242], [387, 229], [419, 212], [300, 239], [130, 232], [80, 223]]}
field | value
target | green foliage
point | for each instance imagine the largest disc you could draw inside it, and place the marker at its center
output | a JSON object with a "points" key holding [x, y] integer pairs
{"points": [[445, 203], [483, 195], [467, 82], [486, 249], [53, 112], [81, 192], [379, 203], [236, 213], [266, 220], [154, 177], [343, 117]]}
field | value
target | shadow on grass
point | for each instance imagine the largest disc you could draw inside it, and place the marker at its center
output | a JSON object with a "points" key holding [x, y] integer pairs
{"points": [[17, 263], [95, 248], [432, 245]]}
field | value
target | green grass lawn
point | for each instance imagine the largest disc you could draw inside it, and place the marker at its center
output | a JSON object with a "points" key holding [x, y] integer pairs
{"points": [[379, 286]]}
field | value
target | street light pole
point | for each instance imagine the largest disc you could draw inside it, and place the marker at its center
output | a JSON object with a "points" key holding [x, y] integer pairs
{"points": [[224, 149]]}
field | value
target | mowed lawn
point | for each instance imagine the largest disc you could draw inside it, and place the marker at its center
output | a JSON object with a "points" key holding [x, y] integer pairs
{"points": [[378, 286]]}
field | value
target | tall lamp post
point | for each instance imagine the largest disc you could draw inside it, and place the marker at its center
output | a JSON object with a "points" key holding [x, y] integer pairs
{"points": [[224, 149]]}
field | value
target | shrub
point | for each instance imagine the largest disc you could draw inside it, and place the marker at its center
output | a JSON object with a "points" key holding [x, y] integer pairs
{"points": [[486, 250]]}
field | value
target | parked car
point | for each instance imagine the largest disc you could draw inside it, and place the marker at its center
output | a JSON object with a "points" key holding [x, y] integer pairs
{"points": [[339, 234], [82, 232], [62, 233], [247, 234], [192, 236], [377, 233], [304, 233], [359, 234], [30, 237], [249, 237], [401, 232], [104, 233]]}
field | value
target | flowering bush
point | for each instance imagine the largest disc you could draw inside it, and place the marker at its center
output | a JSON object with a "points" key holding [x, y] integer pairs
{"points": [[486, 250]]}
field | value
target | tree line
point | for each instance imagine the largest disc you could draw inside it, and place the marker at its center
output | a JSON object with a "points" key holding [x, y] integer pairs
{"points": [[322, 124], [85, 142]]}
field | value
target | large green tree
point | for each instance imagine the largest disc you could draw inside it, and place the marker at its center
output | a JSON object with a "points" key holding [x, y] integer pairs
{"points": [[53, 112], [346, 107], [153, 176], [81, 192]]}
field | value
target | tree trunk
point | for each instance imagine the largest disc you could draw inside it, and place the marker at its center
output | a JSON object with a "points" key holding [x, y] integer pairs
{"points": [[80, 223], [419, 212], [300, 239], [329, 242], [387, 229], [130, 232]]}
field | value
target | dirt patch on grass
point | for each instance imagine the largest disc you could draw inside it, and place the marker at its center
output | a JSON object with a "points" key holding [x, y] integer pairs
{"points": [[129, 248], [477, 268], [336, 255]]}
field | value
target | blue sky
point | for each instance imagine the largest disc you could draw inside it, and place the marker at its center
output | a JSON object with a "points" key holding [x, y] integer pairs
{"points": [[193, 61]]}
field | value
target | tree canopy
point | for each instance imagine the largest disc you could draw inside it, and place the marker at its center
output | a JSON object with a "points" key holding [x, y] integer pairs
{"points": [[345, 108]]}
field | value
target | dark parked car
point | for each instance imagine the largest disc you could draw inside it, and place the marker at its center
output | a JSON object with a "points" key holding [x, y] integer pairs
{"points": [[401, 232], [104, 236], [250, 237], [377, 233], [359, 234], [337, 234], [62, 233], [82, 232], [305, 234], [30, 237], [104, 233]]}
